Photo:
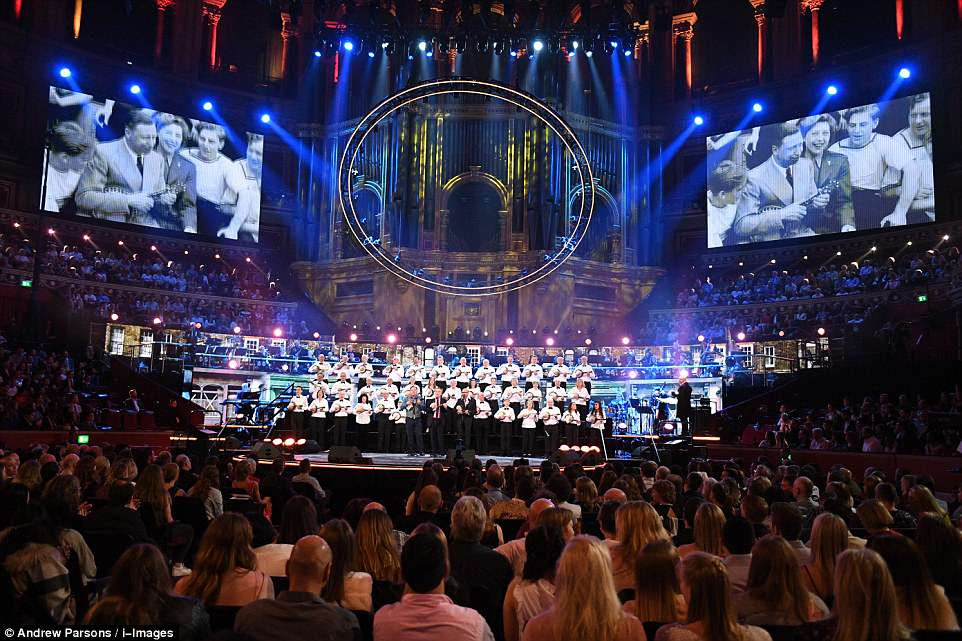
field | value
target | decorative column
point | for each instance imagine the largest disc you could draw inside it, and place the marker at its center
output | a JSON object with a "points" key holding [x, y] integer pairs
{"points": [[212, 13], [762, 36], [162, 6], [78, 12], [288, 33], [899, 18], [681, 27], [815, 7]]}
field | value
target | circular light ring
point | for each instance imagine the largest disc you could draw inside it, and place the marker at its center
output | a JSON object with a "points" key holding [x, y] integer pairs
{"points": [[508, 94]]}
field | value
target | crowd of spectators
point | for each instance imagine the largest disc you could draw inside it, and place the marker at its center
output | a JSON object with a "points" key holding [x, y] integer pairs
{"points": [[890, 424], [776, 285], [46, 390], [717, 550]]}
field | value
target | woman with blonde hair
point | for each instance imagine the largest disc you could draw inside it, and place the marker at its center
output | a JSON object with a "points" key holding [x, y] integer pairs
{"points": [[922, 501], [224, 568], [829, 539], [586, 603], [711, 610], [376, 551], [922, 604], [707, 532], [636, 525], [776, 593], [874, 517], [865, 602], [658, 597]]}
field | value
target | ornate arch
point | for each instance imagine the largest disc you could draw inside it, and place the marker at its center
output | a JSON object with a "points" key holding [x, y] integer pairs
{"points": [[474, 175]]}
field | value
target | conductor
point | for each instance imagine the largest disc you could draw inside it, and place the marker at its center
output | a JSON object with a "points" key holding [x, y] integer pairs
{"points": [[684, 404]]}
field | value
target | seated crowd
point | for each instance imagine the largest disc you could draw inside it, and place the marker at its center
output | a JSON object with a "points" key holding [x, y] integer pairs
{"points": [[889, 424], [775, 285], [46, 390], [727, 552]]}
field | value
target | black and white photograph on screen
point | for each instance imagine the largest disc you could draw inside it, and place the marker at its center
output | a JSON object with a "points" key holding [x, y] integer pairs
{"points": [[862, 168], [112, 161]]}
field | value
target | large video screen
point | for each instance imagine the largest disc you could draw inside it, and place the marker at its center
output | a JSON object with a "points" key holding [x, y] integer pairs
{"points": [[861, 168], [113, 161]]}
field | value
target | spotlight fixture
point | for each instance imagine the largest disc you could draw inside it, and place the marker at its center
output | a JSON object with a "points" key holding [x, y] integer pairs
{"points": [[831, 90], [627, 53], [278, 332], [348, 45], [905, 73], [757, 107], [114, 317], [237, 330], [574, 45], [157, 320], [51, 231], [614, 44], [353, 338], [317, 335], [698, 120], [233, 364], [509, 341], [422, 45], [587, 341], [391, 339], [549, 341], [317, 53], [135, 89], [740, 336], [589, 53], [430, 54], [821, 331], [701, 338], [65, 72], [537, 45], [370, 54], [945, 237], [625, 340], [265, 118], [207, 106]]}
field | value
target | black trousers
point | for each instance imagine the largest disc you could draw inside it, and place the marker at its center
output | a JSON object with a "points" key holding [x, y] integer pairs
{"points": [[571, 434], [296, 424], [551, 440], [415, 436], [383, 432], [465, 422], [527, 440], [317, 430], [436, 434], [340, 430], [482, 427], [505, 436]]}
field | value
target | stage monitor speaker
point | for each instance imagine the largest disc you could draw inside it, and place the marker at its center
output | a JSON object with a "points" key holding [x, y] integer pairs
{"points": [[265, 450], [233, 443], [466, 455], [310, 447], [344, 454]]}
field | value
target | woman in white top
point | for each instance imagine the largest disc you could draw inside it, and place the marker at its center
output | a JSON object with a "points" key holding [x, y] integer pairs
{"points": [[533, 373], [318, 422], [482, 419], [348, 589], [534, 394], [572, 423], [533, 592], [580, 395], [505, 418], [362, 418], [550, 416], [529, 421], [597, 421]]}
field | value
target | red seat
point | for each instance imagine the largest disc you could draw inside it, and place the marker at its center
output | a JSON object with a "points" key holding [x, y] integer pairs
{"points": [[130, 421], [147, 422]]}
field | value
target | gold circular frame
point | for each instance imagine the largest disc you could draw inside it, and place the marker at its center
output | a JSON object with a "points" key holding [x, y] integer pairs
{"points": [[489, 89]]}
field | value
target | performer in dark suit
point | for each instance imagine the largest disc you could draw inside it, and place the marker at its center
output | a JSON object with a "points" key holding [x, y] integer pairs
{"points": [[465, 409], [125, 177], [831, 169], [684, 404], [783, 182], [180, 176], [411, 407]]}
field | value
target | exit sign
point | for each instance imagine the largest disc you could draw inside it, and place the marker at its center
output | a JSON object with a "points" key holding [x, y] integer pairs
{"points": [[923, 298], [26, 282]]}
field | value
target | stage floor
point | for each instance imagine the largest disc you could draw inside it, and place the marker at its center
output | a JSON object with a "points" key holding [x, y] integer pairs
{"points": [[390, 460]]}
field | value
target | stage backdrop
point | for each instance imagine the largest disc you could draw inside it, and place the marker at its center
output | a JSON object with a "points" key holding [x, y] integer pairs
{"points": [[856, 169], [113, 161]]}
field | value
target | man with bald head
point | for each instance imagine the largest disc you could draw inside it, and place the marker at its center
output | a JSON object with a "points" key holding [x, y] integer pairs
{"points": [[429, 510], [615, 494], [514, 550], [300, 607]]}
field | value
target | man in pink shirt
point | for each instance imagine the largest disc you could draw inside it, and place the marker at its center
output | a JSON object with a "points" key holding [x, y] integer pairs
{"points": [[424, 612]]}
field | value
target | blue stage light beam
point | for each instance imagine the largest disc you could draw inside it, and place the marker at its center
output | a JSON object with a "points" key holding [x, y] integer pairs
{"points": [[902, 75]]}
